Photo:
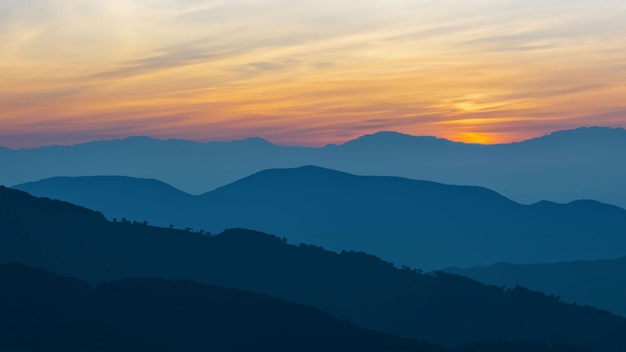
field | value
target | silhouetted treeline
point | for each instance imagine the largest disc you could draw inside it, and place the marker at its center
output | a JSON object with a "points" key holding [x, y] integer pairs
{"points": [[598, 283]]}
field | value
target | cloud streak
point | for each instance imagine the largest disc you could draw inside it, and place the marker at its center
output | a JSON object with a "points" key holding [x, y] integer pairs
{"points": [[311, 73]]}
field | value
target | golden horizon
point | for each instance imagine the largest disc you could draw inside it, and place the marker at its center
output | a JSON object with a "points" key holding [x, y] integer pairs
{"points": [[479, 71]]}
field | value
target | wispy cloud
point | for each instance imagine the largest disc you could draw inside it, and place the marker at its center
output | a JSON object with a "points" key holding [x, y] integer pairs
{"points": [[312, 72], [170, 58]]}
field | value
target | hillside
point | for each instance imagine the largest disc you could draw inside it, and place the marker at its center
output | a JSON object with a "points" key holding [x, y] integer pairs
{"points": [[599, 283], [42, 311], [408, 222], [440, 308]]}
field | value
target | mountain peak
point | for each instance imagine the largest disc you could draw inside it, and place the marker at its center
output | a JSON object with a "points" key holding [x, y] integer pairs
{"points": [[309, 169], [141, 140], [583, 134], [391, 139], [131, 139], [86, 182], [306, 173], [253, 141]]}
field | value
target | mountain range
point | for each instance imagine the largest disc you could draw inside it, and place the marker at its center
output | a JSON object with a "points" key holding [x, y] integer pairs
{"points": [[586, 163], [420, 224], [600, 283], [438, 307]]}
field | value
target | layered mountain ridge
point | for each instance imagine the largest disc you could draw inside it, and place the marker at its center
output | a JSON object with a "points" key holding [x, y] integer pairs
{"points": [[416, 223], [585, 163], [439, 307]]}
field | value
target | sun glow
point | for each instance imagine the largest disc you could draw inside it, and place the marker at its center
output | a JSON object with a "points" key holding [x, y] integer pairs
{"points": [[477, 138], [296, 73]]}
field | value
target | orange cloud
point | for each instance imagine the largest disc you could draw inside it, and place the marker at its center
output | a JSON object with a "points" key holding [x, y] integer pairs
{"points": [[484, 71]]}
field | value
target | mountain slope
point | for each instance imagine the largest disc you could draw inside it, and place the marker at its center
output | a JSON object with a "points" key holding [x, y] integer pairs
{"points": [[195, 167], [585, 163], [160, 315], [441, 308], [139, 199], [417, 223], [155, 314], [600, 283]]}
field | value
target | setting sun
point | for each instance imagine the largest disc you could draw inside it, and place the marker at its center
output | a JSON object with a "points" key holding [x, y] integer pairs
{"points": [[295, 73]]}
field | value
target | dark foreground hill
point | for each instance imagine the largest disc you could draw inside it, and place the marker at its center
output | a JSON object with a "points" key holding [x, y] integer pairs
{"points": [[441, 308], [600, 283], [586, 163], [417, 223], [45, 312]]}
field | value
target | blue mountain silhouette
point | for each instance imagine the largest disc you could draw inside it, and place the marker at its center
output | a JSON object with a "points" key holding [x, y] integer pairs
{"points": [[417, 223], [46, 312], [599, 283], [585, 163], [438, 307]]}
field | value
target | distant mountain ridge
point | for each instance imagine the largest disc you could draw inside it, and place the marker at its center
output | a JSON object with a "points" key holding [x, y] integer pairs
{"points": [[585, 163], [439, 307], [595, 134], [417, 223], [392, 139]]}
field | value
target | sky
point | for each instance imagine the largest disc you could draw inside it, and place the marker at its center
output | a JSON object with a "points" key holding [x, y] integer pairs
{"points": [[308, 72]]}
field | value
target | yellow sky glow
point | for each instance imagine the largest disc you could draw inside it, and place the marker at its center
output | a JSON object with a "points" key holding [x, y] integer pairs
{"points": [[484, 71]]}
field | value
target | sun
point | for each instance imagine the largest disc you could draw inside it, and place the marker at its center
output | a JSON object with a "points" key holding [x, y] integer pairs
{"points": [[474, 137]]}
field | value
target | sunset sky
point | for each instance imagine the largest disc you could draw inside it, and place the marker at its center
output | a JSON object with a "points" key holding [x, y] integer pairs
{"points": [[308, 72]]}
